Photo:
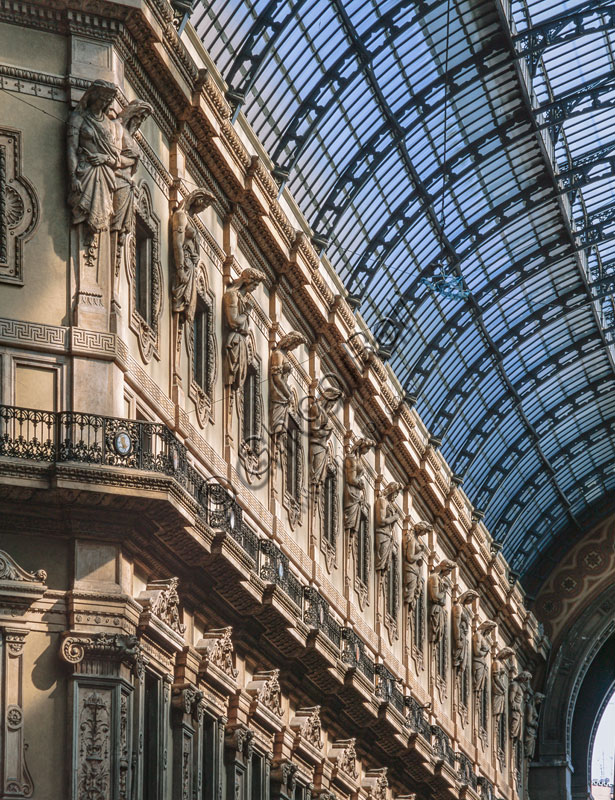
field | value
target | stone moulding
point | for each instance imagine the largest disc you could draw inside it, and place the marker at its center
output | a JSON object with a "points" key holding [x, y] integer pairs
{"points": [[308, 733], [17, 586], [160, 615], [375, 783], [343, 756], [264, 689]]}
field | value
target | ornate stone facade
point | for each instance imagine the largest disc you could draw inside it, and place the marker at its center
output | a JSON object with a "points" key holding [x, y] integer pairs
{"points": [[311, 636]]}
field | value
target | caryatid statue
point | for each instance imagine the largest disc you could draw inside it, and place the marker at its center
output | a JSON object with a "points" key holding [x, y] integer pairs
{"points": [[516, 696], [93, 158], [127, 123], [187, 251], [481, 647], [321, 428], [279, 391], [354, 484], [462, 622], [415, 553], [437, 586], [386, 514], [236, 305], [532, 717], [499, 681]]}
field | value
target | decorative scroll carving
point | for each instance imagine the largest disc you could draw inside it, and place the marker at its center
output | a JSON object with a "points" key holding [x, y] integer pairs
{"points": [[11, 571], [216, 647], [386, 515], [186, 252], [375, 783], [481, 647], [280, 395], [344, 755], [306, 724], [265, 689], [18, 207], [415, 552], [238, 355], [321, 428], [186, 698], [16, 780], [76, 647], [516, 695], [354, 485], [93, 157], [532, 718], [127, 123], [437, 586], [162, 600], [94, 746]]}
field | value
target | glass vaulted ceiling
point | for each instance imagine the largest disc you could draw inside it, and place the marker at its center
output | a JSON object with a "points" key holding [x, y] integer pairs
{"points": [[518, 378]]}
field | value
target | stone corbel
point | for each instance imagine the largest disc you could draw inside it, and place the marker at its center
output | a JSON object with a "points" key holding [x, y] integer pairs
{"points": [[80, 650], [160, 617], [343, 756], [264, 689], [375, 783], [216, 651], [283, 779], [19, 588], [308, 733]]}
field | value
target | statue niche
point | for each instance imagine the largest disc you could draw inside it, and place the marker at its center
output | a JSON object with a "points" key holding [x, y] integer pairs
{"points": [[186, 252]]}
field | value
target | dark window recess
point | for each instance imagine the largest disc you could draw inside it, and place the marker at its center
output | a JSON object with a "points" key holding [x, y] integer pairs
{"points": [[151, 733], [293, 454], [329, 501], [442, 652], [484, 707], [257, 778], [200, 355], [419, 621], [391, 581], [143, 270], [210, 745], [363, 548], [250, 400], [502, 732], [464, 687]]}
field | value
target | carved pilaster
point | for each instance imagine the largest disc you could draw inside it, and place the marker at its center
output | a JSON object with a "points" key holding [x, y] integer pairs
{"points": [[16, 780], [238, 754], [187, 718], [283, 779]]}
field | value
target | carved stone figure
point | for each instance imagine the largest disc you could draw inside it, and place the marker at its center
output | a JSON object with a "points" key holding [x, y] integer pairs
{"points": [[436, 589], [481, 647], [462, 620], [516, 695], [499, 681], [321, 428], [415, 552], [93, 157], [162, 600], [279, 392], [386, 516], [354, 485], [265, 689], [532, 716], [236, 304], [307, 726], [186, 251], [127, 123], [216, 647]]}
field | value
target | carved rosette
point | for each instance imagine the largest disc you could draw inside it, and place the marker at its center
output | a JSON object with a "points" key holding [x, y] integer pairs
{"points": [[18, 207]]}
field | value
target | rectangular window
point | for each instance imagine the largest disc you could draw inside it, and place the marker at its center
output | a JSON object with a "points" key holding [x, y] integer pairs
{"points": [[200, 355], [257, 777], [391, 587], [442, 648], [484, 707], [250, 400], [419, 619], [293, 455], [210, 758], [143, 270], [363, 549], [151, 734], [502, 733], [329, 501]]}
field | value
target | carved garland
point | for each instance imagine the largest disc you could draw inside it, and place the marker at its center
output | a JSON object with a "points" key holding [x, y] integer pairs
{"points": [[148, 334]]}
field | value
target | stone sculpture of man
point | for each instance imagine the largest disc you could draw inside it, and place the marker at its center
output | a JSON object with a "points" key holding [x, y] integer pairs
{"points": [[354, 484], [499, 682], [481, 647], [386, 515], [236, 305], [516, 695], [279, 391], [462, 621], [415, 553], [321, 428], [532, 717], [437, 586]]}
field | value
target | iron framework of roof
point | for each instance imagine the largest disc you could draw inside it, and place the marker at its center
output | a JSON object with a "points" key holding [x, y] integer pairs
{"points": [[517, 378]]}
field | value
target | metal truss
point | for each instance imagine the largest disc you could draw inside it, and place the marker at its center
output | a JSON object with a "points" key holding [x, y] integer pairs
{"points": [[575, 177], [592, 16], [588, 97]]}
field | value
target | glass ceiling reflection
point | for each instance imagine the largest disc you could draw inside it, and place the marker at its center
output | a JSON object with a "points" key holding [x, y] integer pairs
{"points": [[412, 158]]}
